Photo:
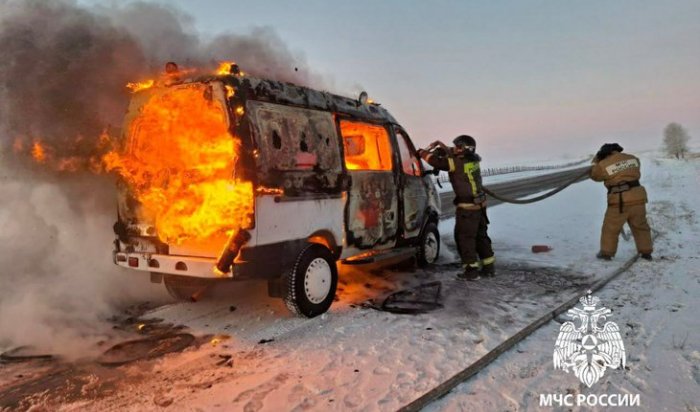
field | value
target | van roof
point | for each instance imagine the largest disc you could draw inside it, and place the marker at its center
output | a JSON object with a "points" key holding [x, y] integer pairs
{"points": [[290, 94]]}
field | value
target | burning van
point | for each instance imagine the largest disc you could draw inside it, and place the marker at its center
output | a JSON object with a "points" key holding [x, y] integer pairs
{"points": [[227, 177]]}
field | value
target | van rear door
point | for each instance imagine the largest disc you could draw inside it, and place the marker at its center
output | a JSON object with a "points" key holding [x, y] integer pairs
{"points": [[371, 215]]}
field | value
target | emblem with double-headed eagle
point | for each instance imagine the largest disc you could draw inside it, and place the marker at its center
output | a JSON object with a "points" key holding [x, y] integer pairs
{"points": [[589, 349]]}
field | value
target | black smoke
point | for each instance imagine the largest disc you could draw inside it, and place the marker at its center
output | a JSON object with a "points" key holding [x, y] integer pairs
{"points": [[63, 72], [64, 67]]}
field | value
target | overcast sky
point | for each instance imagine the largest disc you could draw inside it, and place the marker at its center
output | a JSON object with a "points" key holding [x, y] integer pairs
{"points": [[528, 79]]}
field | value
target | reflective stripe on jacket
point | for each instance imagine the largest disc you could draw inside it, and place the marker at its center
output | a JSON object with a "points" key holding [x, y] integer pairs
{"points": [[465, 176]]}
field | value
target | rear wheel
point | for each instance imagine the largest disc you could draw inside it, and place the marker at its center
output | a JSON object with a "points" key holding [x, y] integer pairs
{"points": [[186, 289], [428, 246], [312, 282]]}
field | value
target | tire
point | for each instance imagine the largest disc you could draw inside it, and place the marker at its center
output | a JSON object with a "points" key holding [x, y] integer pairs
{"points": [[428, 245], [186, 289], [312, 282]]}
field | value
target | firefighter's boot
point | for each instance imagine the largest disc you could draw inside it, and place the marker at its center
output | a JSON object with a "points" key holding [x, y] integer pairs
{"points": [[488, 271], [647, 256], [603, 256], [471, 272]]}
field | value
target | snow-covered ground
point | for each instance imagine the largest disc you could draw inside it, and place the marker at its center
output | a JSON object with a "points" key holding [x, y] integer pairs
{"points": [[357, 358], [655, 304]]}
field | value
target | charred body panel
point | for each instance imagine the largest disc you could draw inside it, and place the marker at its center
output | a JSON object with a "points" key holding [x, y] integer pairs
{"points": [[296, 155], [372, 211], [296, 149], [298, 96]]}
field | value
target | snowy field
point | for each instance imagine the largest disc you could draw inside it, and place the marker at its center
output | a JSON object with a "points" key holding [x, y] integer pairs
{"points": [[358, 358]]}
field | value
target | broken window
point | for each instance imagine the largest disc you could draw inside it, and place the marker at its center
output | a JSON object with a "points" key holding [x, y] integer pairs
{"points": [[294, 139], [367, 146]]}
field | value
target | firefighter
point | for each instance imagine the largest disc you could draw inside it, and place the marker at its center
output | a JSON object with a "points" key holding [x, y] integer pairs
{"points": [[626, 200], [471, 222]]}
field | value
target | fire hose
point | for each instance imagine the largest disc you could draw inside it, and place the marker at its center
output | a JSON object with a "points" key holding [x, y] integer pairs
{"points": [[441, 151], [540, 197]]}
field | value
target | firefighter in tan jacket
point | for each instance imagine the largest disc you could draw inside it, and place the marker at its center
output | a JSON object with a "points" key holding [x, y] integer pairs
{"points": [[626, 200]]}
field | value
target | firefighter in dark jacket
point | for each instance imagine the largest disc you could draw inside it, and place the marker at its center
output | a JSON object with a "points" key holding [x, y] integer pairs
{"points": [[626, 200], [471, 222]]}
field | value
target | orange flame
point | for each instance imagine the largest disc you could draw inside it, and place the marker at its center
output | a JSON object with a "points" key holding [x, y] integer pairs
{"points": [[79, 154], [224, 68], [38, 152], [230, 92], [179, 163], [138, 86], [217, 339], [262, 190]]}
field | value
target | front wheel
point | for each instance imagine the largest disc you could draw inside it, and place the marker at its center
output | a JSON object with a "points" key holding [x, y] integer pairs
{"points": [[312, 282], [428, 246]]}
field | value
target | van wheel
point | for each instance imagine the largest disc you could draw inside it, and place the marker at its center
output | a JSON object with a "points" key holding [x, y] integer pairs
{"points": [[428, 246], [185, 289], [312, 282]]}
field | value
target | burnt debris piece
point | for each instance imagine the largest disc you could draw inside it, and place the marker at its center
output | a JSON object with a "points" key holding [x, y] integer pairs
{"points": [[142, 349], [420, 299], [24, 354], [541, 248]]}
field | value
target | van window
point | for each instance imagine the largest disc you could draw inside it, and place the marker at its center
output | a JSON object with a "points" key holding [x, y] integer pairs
{"points": [[291, 139], [367, 146], [409, 162]]}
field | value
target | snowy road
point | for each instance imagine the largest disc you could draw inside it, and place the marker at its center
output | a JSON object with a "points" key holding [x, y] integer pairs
{"points": [[355, 358]]}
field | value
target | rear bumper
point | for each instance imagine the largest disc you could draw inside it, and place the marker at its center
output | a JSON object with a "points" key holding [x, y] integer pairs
{"points": [[199, 267], [259, 262]]}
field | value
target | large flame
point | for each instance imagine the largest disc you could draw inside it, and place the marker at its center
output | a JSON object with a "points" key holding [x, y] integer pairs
{"points": [[179, 162]]}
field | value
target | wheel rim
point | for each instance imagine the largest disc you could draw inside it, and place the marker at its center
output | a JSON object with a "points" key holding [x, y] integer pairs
{"points": [[430, 247], [317, 280]]}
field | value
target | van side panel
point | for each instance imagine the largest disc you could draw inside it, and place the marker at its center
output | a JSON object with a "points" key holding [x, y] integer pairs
{"points": [[290, 219]]}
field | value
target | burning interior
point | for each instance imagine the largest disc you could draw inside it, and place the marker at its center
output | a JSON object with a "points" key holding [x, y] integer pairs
{"points": [[367, 146]]}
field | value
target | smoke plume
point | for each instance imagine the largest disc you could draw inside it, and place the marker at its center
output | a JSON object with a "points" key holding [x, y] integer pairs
{"points": [[63, 73]]}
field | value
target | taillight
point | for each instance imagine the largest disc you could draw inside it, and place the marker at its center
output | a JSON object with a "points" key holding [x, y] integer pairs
{"points": [[134, 262]]}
